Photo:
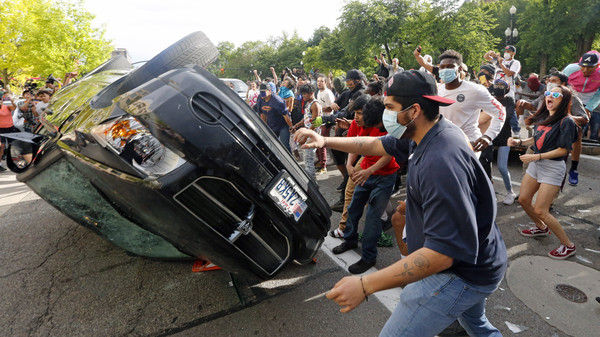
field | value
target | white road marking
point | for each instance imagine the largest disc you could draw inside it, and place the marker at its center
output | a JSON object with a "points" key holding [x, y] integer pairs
{"points": [[389, 298]]}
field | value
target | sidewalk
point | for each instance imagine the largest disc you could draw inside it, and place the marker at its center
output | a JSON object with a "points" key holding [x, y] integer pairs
{"points": [[11, 191]]}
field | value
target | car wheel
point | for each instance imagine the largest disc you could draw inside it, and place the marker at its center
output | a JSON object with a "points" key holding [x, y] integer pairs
{"points": [[195, 49]]}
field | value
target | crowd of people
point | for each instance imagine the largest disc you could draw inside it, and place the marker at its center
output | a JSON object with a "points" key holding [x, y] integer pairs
{"points": [[445, 123]]}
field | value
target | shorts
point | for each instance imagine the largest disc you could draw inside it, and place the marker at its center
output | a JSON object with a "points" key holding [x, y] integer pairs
{"points": [[339, 157], [547, 171], [5, 140]]}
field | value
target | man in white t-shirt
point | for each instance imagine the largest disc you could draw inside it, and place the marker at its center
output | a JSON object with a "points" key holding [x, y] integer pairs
{"points": [[507, 69], [325, 98], [470, 99]]}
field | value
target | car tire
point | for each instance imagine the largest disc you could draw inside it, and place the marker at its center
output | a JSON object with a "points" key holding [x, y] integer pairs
{"points": [[194, 49]]}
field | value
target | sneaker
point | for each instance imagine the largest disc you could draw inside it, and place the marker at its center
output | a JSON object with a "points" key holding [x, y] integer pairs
{"points": [[573, 178], [338, 206], [336, 233], [344, 247], [396, 194], [562, 252], [2, 168], [510, 198], [342, 187], [534, 231], [323, 170], [360, 267]]}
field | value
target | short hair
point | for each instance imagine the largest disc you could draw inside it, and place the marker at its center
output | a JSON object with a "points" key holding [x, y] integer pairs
{"points": [[376, 87], [373, 112], [360, 102], [307, 88], [430, 108], [561, 76], [452, 54]]}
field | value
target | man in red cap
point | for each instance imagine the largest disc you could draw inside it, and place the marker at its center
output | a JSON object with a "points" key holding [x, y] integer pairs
{"points": [[457, 256]]}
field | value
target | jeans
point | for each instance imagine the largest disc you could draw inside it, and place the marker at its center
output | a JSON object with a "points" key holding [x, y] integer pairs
{"points": [[429, 305], [309, 163], [376, 191], [284, 137], [502, 163], [594, 125]]}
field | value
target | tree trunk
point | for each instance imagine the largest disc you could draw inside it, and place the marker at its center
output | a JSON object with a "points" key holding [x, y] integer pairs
{"points": [[543, 64], [5, 78], [387, 52]]}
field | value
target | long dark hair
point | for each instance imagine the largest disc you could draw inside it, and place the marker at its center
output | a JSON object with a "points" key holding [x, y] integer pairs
{"points": [[542, 115]]}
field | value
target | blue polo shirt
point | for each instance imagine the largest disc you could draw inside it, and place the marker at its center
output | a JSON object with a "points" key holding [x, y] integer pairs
{"points": [[275, 109], [451, 205]]}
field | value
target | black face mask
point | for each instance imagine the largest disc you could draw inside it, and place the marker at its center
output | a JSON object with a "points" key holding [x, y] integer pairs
{"points": [[500, 92]]}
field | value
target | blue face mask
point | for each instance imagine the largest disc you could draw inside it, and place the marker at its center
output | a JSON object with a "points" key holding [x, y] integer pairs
{"points": [[448, 75], [390, 122]]}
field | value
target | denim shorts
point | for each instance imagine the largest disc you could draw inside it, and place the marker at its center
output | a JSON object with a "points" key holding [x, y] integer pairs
{"points": [[547, 171]]}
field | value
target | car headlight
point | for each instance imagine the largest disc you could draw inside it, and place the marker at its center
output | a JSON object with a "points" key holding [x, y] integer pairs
{"points": [[133, 142]]}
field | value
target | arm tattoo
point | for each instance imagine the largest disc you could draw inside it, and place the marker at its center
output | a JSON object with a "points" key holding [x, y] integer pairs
{"points": [[420, 262], [359, 142]]}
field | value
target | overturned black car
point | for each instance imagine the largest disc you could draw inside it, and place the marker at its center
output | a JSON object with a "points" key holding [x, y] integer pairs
{"points": [[167, 162]]}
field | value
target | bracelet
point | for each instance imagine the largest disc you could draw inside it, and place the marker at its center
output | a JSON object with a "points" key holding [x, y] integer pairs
{"points": [[363, 288], [540, 156], [520, 142], [325, 145]]}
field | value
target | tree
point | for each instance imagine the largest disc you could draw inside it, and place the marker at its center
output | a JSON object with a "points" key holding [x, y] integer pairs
{"points": [[30, 47]]}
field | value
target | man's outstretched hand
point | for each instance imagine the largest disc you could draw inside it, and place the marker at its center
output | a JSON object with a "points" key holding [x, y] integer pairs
{"points": [[309, 139]]}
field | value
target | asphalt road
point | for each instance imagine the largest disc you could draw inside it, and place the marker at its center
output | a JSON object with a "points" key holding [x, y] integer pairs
{"points": [[59, 279]]}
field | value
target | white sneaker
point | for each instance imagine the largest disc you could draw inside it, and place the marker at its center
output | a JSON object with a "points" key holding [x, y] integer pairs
{"points": [[510, 198]]}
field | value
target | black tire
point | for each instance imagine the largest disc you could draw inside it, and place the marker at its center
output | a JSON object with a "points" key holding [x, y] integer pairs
{"points": [[194, 49], [118, 62]]}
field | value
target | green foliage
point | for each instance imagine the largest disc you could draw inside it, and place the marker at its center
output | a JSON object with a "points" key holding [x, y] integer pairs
{"points": [[41, 37], [551, 33]]}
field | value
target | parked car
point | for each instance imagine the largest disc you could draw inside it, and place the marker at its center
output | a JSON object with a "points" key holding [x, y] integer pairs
{"points": [[236, 85], [166, 161]]}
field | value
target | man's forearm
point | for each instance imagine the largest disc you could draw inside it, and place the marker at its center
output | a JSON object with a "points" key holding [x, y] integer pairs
{"points": [[370, 146], [416, 266]]}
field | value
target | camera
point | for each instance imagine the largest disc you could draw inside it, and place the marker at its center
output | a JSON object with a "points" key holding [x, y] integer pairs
{"points": [[30, 85]]}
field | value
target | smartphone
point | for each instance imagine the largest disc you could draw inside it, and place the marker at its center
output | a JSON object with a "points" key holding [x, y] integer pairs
{"points": [[419, 49]]}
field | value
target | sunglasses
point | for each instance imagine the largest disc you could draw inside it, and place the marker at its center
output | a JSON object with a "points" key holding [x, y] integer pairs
{"points": [[553, 94]]}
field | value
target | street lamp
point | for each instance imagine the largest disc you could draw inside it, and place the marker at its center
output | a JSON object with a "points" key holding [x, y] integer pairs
{"points": [[511, 33]]}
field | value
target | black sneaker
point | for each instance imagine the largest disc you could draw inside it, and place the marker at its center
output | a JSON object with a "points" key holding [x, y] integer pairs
{"points": [[344, 247], [342, 187], [338, 206], [2, 168], [360, 267]]}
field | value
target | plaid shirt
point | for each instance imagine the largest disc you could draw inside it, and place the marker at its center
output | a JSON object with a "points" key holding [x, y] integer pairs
{"points": [[31, 121]]}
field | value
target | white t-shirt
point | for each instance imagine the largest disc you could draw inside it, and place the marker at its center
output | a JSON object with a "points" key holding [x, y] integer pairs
{"points": [[470, 99], [325, 98], [41, 107], [512, 65]]}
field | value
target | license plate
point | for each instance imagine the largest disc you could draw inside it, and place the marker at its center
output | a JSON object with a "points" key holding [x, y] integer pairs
{"points": [[290, 199]]}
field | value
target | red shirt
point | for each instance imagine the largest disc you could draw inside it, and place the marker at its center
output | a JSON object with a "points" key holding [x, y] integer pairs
{"points": [[369, 161]]}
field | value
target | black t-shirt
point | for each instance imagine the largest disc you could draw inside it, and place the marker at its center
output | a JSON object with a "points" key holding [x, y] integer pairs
{"points": [[550, 137], [451, 205], [502, 137]]}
